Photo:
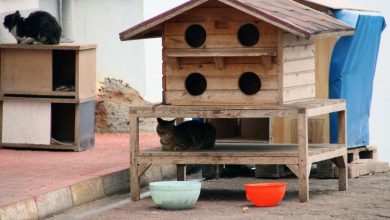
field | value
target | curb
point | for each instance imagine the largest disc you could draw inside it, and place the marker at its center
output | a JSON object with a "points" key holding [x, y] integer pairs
{"points": [[60, 200]]}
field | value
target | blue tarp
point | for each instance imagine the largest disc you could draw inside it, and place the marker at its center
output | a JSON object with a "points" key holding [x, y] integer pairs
{"points": [[352, 72]]}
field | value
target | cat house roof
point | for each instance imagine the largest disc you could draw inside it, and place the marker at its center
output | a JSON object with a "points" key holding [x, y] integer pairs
{"points": [[285, 14], [335, 5]]}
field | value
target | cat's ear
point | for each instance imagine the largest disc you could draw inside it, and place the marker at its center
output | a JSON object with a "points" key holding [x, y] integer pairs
{"points": [[17, 14], [162, 121]]}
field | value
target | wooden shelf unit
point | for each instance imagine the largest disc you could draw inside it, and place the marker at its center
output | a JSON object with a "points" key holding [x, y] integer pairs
{"points": [[35, 113], [40, 70], [48, 125], [298, 158]]}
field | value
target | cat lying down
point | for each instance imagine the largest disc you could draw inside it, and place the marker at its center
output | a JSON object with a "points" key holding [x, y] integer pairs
{"points": [[189, 135], [39, 27]]}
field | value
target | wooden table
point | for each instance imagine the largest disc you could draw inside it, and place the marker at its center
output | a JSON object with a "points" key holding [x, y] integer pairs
{"points": [[297, 157]]}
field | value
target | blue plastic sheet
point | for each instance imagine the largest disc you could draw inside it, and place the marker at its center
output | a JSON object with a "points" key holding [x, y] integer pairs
{"points": [[352, 72]]}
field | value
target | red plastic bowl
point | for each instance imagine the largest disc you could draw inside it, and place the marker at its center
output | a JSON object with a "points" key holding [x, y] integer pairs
{"points": [[265, 194]]}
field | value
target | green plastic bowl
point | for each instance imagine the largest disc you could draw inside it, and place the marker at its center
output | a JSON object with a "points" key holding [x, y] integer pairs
{"points": [[175, 195]]}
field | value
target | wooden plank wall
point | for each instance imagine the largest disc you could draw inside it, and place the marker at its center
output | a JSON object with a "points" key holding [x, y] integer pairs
{"points": [[285, 130], [221, 24], [298, 69]]}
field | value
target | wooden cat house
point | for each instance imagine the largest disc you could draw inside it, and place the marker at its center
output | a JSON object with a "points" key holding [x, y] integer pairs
{"points": [[240, 59], [238, 52]]}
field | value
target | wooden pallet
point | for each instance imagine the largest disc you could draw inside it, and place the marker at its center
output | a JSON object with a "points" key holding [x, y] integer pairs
{"points": [[361, 161], [297, 157]]}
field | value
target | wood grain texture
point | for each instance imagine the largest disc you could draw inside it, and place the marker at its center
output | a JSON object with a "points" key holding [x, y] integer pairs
{"points": [[61, 46], [86, 74], [303, 156], [34, 76], [134, 149]]}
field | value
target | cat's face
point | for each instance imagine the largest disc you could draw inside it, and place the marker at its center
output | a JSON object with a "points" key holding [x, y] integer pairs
{"points": [[11, 20], [164, 127]]}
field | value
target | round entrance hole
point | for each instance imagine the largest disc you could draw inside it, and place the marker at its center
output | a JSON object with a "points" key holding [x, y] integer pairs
{"points": [[195, 35], [248, 35], [196, 84], [249, 83]]}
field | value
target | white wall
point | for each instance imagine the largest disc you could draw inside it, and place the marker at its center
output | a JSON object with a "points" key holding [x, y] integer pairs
{"points": [[153, 50], [380, 107], [100, 24], [101, 21]]}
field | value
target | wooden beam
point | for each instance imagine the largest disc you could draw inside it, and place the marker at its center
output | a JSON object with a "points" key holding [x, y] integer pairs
{"points": [[181, 172], [341, 162], [219, 63], [217, 160], [303, 158], [294, 168], [142, 168], [134, 149], [235, 52]]}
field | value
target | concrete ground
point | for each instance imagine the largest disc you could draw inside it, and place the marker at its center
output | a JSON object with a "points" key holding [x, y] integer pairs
{"points": [[368, 197], [35, 184]]}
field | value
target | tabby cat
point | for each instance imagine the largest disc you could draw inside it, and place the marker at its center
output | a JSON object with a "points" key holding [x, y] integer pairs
{"points": [[39, 27], [189, 135]]}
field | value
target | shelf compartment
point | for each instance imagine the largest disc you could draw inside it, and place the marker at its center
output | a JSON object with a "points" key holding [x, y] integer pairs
{"points": [[48, 125], [48, 70]]}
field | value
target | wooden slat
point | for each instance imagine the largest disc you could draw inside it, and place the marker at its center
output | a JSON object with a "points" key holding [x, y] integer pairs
{"points": [[232, 97], [294, 168], [219, 41], [220, 83], [298, 93], [61, 46], [220, 113], [328, 155], [229, 69], [299, 78], [299, 65], [46, 99], [247, 149], [142, 168], [218, 160], [298, 52], [66, 146], [326, 109], [222, 52]]}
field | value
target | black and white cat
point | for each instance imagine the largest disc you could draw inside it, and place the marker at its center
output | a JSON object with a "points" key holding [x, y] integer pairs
{"points": [[189, 135], [39, 27]]}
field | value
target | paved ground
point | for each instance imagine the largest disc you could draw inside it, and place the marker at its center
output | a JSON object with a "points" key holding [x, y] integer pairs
{"points": [[36, 184], [367, 198]]}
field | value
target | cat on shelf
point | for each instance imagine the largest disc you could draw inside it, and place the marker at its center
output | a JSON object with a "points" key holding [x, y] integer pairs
{"points": [[39, 27], [189, 135]]}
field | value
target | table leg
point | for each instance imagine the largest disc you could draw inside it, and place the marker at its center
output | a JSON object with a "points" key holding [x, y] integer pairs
{"points": [[134, 149], [181, 172], [303, 156], [342, 162]]}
